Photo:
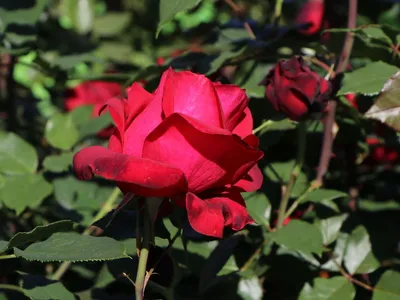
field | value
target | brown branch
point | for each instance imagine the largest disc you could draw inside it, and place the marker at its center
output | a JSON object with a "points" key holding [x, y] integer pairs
{"points": [[326, 152], [351, 278]]}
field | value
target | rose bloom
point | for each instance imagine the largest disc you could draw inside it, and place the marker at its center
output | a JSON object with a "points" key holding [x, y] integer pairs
{"points": [[311, 13], [191, 141], [295, 90], [94, 93]]}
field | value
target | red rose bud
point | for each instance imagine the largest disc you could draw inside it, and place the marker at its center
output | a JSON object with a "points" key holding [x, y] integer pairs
{"points": [[352, 99], [311, 13], [94, 93], [295, 90]]}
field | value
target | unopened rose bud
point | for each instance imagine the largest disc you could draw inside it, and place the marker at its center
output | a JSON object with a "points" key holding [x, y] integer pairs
{"points": [[311, 13], [295, 90]]}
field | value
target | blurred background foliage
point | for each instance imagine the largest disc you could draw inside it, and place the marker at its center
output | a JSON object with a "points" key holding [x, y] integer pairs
{"points": [[341, 242]]}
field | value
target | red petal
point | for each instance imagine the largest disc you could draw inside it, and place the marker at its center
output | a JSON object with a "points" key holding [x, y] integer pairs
{"points": [[245, 126], [252, 181], [233, 100], [138, 99], [210, 216], [193, 95], [145, 177], [209, 156], [146, 121]]}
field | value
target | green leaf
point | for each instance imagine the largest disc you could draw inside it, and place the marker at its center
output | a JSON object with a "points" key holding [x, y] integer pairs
{"points": [[388, 287], [58, 163], [279, 172], [94, 125], [3, 246], [368, 80], [320, 195], [111, 23], [61, 132], [358, 257], [252, 84], [169, 8], [259, 207], [370, 205], [387, 106], [211, 64], [16, 155], [219, 257], [41, 288], [336, 288], [67, 62], [330, 228], [73, 247], [25, 15], [299, 235], [81, 114], [22, 191], [338, 253], [39, 233], [250, 289]]}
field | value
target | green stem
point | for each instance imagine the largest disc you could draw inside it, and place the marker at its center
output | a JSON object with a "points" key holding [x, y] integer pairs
{"points": [[302, 134], [108, 205], [11, 287], [9, 256], [278, 11], [144, 254], [299, 200], [264, 125]]}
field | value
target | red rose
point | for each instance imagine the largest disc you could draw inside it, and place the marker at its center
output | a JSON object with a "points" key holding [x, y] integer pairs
{"points": [[191, 140], [94, 93], [311, 13], [295, 90]]}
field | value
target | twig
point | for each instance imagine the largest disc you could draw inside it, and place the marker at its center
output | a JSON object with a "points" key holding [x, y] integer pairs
{"points": [[108, 205], [237, 11], [253, 256], [330, 118], [170, 244], [264, 125], [11, 287], [8, 256], [298, 201], [302, 134], [351, 279], [278, 11]]}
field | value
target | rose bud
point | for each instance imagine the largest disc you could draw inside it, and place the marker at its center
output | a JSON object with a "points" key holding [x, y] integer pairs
{"points": [[352, 99], [94, 93], [190, 141], [295, 90], [311, 14]]}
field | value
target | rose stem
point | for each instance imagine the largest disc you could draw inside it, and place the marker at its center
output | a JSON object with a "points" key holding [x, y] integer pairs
{"points": [[108, 205], [329, 122], [144, 254], [301, 139], [278, 11]]}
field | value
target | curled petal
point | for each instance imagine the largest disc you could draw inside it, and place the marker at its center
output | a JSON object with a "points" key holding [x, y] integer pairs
{"points": [[209, 156], [210, 216], [252, 181], [233, 100], [143, 176], [245, 126]]}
